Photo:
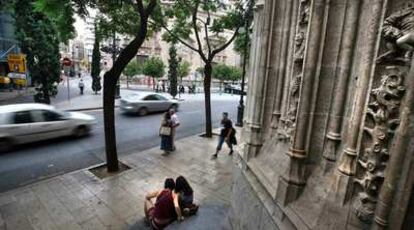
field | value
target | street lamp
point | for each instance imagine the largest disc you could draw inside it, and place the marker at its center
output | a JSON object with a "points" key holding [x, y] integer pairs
{"points": [[240, 108], [114, 50]]}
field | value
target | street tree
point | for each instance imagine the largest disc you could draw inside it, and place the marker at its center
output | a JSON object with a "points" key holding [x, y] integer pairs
{"points": [[182, 22], [96, 63], [183, 70], [37, 39], [111, 77], [132, 69], [242, 42], [173, 65], [235, 73], [225, 72], [61, 14], [153, 67], [140, 11]]}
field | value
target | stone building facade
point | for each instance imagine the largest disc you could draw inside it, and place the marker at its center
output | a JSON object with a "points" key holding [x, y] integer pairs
{"points": [[328, 137]]}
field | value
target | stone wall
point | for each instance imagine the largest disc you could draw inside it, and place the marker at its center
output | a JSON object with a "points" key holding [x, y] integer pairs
{"points": [[328, 119]]}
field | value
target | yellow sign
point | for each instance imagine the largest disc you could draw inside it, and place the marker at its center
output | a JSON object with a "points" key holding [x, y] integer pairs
{"points": [[21, 82], [4, 80], [17, 63]]}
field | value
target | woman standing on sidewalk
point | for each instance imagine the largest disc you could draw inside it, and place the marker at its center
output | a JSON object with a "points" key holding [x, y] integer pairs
{"points": [[166, 133]]}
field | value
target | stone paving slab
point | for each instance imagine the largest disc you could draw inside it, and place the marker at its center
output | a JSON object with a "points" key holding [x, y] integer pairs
{"points": [[79, 200]]}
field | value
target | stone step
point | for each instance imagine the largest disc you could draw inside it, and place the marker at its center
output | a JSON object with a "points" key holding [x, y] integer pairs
{"points": [[208, 217]]}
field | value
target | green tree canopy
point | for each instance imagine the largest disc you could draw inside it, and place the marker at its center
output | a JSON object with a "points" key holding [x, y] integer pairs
{"points": [[183, 69], [225, 72], [62, 14], [153, 67], [133, 68], [38, 40], [235, 74], [242, 42], [116, 18]]}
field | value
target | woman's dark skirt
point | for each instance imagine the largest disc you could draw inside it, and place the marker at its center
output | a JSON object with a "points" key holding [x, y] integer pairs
{"points": [[166, 143]]}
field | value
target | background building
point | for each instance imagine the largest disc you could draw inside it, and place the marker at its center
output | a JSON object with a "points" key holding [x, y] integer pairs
{"points": [[153, 46], [8, 43]]}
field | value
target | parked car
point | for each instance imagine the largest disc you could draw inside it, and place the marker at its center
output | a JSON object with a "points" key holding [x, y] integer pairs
{"points": [[144, 103], [234, 89], [24, 123]]}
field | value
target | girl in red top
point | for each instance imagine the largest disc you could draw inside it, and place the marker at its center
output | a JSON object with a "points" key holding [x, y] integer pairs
{"points": [[165, 209]]}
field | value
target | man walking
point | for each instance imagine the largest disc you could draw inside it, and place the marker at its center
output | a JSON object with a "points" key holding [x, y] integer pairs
{"points": [[81, 86], [227, 134], [175, 124]]}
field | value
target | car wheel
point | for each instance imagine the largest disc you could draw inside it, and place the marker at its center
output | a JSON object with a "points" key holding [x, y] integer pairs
{"points": [[142, 111], [81, 131], [174, 107], [5, 145]]}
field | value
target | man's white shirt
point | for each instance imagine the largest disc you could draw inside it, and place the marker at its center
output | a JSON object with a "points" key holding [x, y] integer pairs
{"points": [[174, 119]]}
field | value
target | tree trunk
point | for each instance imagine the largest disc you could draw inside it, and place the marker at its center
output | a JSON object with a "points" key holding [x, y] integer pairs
{"points": [[207, 84], [45, 91], [110, 80], [109, 121], [46, 96]]}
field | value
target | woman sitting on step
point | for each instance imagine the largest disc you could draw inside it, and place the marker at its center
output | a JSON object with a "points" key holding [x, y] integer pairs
{"points": [[185, 195], [165, 209]]}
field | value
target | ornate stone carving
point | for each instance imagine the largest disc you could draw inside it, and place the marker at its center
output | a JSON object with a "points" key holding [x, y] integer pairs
{"points": [[285, 133], [304, 14], [398, 31], [382, 119], [382, 115], [299, 46]]}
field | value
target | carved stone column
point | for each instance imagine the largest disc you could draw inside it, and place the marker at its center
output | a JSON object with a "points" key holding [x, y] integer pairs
{"points": [[392, 137], [306, 56], [333, 136], [257, 71], [347, 162], [285, 129], [398, 154], [381, 121], [283, 59]]}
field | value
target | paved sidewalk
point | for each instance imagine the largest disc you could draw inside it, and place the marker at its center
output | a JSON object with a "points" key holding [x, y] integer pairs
{"points": [[80, 200], [6, 96]]}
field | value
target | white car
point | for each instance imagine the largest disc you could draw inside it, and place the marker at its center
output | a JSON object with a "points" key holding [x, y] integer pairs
{"points": [[24, 123], [144, 103]]}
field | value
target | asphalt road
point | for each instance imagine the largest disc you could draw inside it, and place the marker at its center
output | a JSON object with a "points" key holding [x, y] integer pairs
{"points": [[33, 162]]}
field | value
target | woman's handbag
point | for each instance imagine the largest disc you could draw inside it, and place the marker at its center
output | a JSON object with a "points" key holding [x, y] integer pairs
{"points": [[165, 131]]}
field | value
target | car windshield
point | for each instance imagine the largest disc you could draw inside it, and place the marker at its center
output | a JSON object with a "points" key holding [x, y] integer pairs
{"points": [[63, 113]]}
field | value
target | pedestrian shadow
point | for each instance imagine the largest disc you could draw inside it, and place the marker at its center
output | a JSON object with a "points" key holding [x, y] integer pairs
{"points": [[209, 216], [139, 225]]}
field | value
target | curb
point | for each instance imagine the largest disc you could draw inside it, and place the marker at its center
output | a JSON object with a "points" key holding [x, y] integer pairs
{"points": [[86, 109]]}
